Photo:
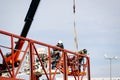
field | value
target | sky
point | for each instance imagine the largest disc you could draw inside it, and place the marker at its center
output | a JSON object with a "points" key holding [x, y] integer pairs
{"points": [[97, 24]]}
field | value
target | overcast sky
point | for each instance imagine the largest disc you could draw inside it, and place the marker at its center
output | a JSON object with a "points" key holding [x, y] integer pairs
{"points": [[97, 24]]}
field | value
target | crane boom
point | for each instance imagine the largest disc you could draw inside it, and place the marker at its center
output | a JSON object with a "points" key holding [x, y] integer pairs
{"points": [[28, 21]]}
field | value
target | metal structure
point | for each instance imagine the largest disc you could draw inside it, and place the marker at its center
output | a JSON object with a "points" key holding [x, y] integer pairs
{"points": [[67, 65], [13, 56], [28, 21]]}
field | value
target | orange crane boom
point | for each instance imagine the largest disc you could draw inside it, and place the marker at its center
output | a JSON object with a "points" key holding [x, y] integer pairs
{"points": [[28, 21], [66, 64]]}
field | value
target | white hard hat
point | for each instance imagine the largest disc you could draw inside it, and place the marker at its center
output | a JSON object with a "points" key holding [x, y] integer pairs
{"points": [[60, 41]]}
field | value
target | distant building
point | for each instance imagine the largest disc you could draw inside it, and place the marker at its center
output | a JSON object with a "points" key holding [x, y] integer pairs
{"points": [[115, 78]]}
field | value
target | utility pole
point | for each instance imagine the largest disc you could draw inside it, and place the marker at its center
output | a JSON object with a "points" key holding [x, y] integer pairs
{"points": [[110, 59]]}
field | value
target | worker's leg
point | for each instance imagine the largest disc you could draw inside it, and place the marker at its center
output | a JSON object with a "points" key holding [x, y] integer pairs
{"points": [[80, 62]]}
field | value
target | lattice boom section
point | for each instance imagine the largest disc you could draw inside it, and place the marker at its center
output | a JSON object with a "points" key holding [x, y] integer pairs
{"points": [[36, 59]]}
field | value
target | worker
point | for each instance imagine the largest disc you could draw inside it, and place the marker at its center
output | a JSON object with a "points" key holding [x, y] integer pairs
{"points": [[84, 51], [56, 53], [0, 73]]}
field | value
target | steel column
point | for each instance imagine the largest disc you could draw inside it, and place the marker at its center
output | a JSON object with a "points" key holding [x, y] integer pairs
{"points": [[31, 62], [65, 65]]}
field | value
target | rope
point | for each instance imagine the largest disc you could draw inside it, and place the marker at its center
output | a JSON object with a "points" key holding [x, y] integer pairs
{"points": [[75, 31]]}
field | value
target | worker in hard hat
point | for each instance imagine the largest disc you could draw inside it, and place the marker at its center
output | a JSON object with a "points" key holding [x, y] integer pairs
{"points": [[59, 44], [56, 53], [84, 51]]}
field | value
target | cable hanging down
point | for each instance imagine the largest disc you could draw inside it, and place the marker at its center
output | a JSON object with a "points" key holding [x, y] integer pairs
{"points": [[75, 31]]}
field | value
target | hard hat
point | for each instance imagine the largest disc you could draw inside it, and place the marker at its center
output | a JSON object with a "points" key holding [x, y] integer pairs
{"points": [[60, 41], [85, 51]]}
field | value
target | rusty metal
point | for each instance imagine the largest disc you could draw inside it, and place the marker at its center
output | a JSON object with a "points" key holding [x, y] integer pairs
{"points": [[66, 65]]}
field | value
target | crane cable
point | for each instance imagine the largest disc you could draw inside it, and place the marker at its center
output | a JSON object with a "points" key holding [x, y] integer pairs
{"points": [[75, 31]]}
